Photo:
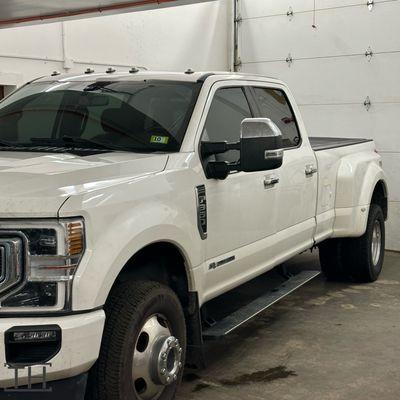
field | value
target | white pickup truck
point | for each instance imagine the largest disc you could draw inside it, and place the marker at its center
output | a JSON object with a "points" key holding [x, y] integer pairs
{"points": [[131, 202]]}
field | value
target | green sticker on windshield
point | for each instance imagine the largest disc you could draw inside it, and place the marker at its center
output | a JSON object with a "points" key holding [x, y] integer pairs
{"points": [[159, 139]]}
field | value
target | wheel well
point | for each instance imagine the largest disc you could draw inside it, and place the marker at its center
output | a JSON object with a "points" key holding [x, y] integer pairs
{"points": [[161, 262], [379, 197]]}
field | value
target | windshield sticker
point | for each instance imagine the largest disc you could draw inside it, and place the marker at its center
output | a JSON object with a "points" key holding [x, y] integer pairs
{"points": [[159, 139]]}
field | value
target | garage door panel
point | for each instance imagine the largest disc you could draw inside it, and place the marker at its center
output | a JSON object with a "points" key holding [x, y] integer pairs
{"points": [[330, 75], [391, 163], [335, 27], [392, 227], [339, 80], [354, 121], [28, 40], [256, 8]]}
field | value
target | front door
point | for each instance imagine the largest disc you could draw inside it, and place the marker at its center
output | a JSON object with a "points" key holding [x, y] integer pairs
{"points": [[241, 208]]}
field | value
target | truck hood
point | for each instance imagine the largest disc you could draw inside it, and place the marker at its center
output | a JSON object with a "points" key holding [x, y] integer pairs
{"points": [[37, 184]]}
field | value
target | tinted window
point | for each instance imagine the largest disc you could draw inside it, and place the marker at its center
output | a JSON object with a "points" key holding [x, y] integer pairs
{"points": [[137, 116], [273, 104], [228, 109]]}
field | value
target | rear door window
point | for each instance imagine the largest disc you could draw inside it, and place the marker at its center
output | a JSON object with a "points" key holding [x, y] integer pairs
{"points": [[273, 104]]}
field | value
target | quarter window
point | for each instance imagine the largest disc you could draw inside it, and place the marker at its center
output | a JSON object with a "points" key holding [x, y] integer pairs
{"points": [[228, 109], [274, 104]]}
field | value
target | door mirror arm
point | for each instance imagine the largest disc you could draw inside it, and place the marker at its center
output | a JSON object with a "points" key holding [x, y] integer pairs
{"points": [[208, 149], [218, 169]]}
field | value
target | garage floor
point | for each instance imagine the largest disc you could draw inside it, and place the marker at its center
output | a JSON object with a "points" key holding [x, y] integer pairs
{"points": [[326, 341]]}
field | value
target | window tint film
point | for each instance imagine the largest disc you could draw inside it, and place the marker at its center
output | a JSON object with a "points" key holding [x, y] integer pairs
{"points": [[274, 105], [228, 109], [127, 115]]}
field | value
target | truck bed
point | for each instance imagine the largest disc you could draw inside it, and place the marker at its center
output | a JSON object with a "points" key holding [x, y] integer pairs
{"points": [[324, 143]]}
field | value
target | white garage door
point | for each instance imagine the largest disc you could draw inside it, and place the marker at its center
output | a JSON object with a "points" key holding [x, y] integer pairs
{"points": [[330, 73]]}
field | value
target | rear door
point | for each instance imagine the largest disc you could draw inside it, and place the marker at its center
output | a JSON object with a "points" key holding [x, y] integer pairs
{"points": [[297, 189]]}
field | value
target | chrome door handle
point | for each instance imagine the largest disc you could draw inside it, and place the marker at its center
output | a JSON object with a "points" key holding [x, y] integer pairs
{"points": [[310, 170], [270, 181]]}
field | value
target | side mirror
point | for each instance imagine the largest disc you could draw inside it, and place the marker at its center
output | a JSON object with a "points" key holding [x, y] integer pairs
{"points": [[261, 146]]}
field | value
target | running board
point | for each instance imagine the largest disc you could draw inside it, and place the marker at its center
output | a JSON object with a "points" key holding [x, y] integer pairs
{"points": [[249, 311]]}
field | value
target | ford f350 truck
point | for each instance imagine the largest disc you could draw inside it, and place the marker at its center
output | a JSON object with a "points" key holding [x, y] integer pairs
{"points": [[131, 202]]}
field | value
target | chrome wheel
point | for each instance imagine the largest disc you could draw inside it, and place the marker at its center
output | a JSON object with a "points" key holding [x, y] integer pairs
{"points": [[376, 243], [156, 358]]}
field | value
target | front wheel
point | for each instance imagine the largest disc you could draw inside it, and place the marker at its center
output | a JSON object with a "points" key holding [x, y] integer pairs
{"points": [[143, 348]]}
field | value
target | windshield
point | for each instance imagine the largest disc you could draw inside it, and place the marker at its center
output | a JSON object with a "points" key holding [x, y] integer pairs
{"points": [[143, 116]]}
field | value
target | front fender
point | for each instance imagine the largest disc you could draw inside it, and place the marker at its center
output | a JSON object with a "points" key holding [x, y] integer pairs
{"points": [[97, 274], [124, 220]]}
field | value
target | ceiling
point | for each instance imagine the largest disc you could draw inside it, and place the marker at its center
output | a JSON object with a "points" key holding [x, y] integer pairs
{"points": [[27, 12]]}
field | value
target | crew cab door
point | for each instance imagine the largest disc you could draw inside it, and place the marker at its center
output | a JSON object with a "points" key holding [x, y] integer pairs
{"points": [[297, 189], [240, 208]]}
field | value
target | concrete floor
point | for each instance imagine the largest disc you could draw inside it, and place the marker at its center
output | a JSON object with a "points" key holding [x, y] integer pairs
{"points": [[326, 341]]}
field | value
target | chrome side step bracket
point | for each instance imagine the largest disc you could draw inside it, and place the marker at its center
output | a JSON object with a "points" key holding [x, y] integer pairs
{"points": [[252, 309]]}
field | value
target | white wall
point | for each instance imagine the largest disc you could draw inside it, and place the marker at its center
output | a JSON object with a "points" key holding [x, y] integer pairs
{"points": [[195, 36], [330, 74]]}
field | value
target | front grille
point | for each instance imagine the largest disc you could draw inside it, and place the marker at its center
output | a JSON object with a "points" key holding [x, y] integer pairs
{"points": [[11, 261]]}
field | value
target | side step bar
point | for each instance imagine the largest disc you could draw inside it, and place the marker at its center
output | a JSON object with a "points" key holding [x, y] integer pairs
{"points": [[249, 311]]}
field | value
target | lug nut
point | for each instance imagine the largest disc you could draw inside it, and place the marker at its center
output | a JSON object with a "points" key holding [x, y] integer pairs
{"points": [[164, 356], [175, 377], [179, 365], [168, 379], [163, 371]]}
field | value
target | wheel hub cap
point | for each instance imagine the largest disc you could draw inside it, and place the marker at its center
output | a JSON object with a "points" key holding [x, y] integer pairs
{"points": [[376, 243], [157, 359], [168, 361]]}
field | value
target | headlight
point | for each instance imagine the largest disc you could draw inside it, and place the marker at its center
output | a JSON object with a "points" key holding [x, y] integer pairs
{"points": [[54, 250]]}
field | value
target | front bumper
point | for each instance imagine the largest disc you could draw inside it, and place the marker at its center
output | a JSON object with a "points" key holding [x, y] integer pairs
{"points": [[80, 346], [65, 389]]}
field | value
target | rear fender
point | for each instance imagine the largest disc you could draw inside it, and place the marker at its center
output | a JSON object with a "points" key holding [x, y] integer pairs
{"points": [[358, 176]]}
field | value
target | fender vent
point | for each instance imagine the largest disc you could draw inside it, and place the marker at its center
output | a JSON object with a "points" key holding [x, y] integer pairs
{"points": [[201, 211]]}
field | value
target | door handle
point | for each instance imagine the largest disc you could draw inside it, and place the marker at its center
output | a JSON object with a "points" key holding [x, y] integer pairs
{"points": [[310, 170], [270, 181]]}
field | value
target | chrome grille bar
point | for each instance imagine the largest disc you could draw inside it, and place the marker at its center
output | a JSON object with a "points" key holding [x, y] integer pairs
{"points": [[11, 261], [2, 264]]}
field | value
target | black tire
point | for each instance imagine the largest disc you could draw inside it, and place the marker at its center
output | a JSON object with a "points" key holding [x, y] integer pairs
{"points": [[358, 251], [130, 304], [331, 260], [351, 258]]}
